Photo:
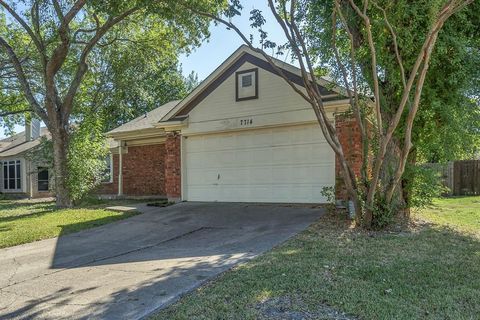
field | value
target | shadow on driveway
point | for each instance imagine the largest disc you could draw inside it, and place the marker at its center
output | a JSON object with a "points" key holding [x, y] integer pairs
{"points": [[127, 269]]}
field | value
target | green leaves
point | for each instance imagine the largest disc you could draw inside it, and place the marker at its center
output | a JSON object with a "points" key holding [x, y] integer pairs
{"points": [[86, 157], [115, 60], [445, 128]]}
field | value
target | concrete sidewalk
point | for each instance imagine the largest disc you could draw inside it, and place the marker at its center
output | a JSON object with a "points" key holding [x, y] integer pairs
{"points": [[127, 269]]}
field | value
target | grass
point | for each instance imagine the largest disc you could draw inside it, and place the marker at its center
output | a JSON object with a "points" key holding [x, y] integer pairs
{"points": [[429, 271], [459, 213], [24, 221]]}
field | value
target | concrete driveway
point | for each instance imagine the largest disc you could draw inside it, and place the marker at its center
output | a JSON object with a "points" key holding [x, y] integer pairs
{"points": [[128, 269]]}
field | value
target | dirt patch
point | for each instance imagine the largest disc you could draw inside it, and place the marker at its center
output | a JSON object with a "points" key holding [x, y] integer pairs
{"points": [[288, 308]]}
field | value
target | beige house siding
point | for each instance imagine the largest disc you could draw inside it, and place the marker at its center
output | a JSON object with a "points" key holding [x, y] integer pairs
{"points": [[277, 105], [29, 182]]}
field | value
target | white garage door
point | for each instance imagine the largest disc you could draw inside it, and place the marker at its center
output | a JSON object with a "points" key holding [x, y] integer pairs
{"points": [[288, 164]]}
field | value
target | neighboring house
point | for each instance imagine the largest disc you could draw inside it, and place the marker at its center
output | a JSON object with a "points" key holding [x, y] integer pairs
{"points": [[22, 175], [243, 135]]}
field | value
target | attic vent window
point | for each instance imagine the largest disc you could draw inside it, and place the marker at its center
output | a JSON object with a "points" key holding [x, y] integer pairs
{"points": [[247, 81], [246, 84]]}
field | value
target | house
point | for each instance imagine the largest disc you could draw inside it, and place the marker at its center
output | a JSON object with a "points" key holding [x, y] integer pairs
{"points": [[21, 174], [243, 135]]}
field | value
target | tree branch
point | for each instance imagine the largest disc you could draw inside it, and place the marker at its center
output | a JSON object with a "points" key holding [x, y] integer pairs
{"points": [[38, 43], [395, 44], [82, 66], [23, 79], [11, 113], [448, 11], [371, 44], [58, 10]]}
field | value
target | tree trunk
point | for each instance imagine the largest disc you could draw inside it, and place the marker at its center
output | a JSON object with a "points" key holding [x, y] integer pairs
{"points": [[391, 162], [60, 166], [385, 209], [406, 183]]}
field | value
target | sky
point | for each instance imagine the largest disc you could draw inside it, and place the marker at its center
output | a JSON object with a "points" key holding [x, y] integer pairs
{"points": [[222, 43]]}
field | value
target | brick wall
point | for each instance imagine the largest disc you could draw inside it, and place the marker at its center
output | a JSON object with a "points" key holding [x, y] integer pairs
{"points": [[173, 169], [143, 169], [350, 138], [111, 188]]}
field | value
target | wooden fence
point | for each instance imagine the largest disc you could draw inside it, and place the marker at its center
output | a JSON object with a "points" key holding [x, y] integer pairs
{"points": [[466, 177], [460, 177]]}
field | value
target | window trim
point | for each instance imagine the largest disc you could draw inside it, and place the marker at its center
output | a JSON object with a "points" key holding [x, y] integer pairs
{"points": [[110, 180], [237, 83], [6, 163]]}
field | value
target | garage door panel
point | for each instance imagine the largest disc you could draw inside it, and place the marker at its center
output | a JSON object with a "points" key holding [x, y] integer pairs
{"points": [[288, 164], [202, 176], [282, 137], [202, 193], [301, 175], [243, 157]]}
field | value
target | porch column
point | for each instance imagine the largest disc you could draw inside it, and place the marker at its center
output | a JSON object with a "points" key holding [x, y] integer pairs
{"points": [[173, 188], [350, 137], [120, 174]]}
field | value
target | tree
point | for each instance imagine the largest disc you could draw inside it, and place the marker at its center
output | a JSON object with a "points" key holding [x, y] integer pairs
{"points": [[48, 46], [445, 126], [129, 78], [375, 195]]}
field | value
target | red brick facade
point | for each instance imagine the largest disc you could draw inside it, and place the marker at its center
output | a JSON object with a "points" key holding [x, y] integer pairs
{"points": [[111, 188], [173, 170], [143, 170], [350, 138], [155, 170]]}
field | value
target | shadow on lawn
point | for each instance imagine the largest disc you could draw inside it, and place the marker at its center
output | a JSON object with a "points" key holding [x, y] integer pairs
{"points": [[12, 205], [36, 214]]}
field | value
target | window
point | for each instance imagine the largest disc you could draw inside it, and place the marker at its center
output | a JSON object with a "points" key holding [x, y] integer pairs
{"points": [[246, 82], [108, 171], [12, 177], [42, 181]]}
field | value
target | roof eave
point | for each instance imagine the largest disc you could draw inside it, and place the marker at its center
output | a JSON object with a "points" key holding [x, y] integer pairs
{"points": [[136, 134], [173, 125]]}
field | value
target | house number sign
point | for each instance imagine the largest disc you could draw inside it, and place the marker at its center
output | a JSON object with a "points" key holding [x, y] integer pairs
{"points": [[246, 122]]}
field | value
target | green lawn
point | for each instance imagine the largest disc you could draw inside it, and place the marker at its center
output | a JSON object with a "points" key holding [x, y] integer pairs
{"points": [[461, 214], [22, 222], [330, 271]]}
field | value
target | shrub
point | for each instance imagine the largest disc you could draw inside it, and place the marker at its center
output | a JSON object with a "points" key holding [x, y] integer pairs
{"points": [[424, 184]]}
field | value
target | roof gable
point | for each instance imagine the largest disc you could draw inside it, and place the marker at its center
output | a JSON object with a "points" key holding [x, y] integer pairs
{"points": [[16, 144], [231, 65]]}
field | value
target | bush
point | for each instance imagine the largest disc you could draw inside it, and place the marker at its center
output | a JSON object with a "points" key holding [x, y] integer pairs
{"points": [[329, 194], [86, 159], [86, 155], [423, 185]]}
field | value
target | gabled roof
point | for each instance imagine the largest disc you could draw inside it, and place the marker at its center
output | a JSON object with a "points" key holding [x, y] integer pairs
{"points": [[145, 121], [177, 111], [242, 55], [16, 144]]}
